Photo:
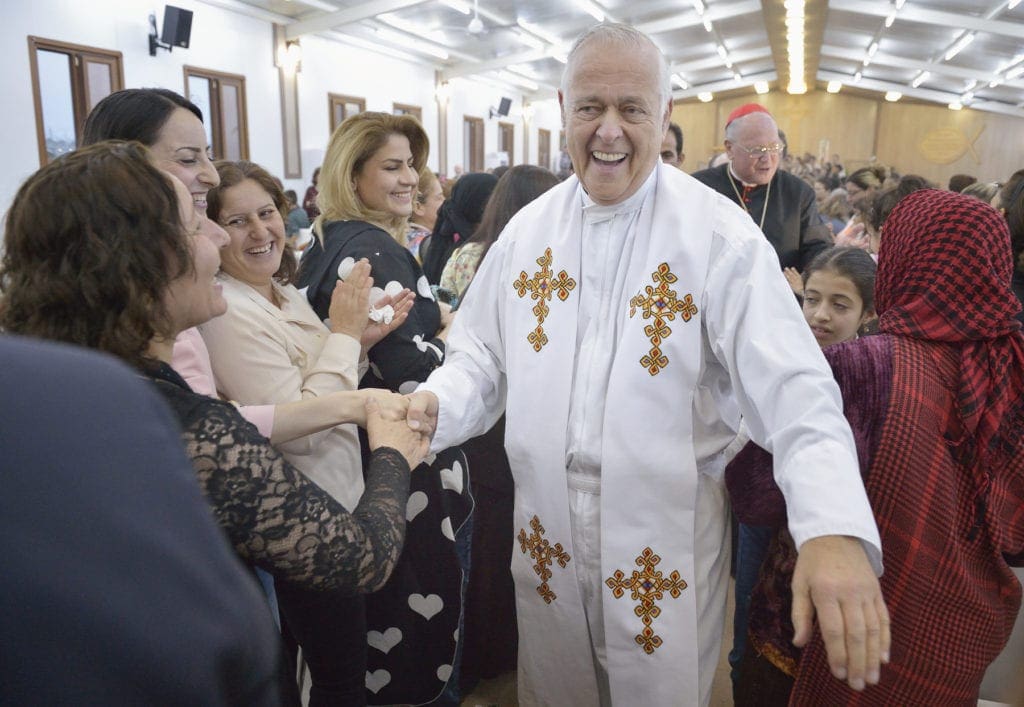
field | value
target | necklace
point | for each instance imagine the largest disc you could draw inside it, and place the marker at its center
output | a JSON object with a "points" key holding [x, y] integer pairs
{"points": [[764, 209]]}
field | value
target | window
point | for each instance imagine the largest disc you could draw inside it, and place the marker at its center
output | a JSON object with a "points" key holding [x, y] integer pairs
{"points": [[404, 109], [473, 143], [342, 107], [544, 148], [68, 80], [221, 97], [507, 141]]}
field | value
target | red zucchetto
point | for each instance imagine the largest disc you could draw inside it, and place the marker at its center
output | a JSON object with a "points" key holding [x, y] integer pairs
{"points": [[746, 109]]}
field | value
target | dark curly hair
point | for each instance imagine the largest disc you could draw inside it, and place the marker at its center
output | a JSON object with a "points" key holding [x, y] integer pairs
{"points": [[234, 173], [91, 244]]}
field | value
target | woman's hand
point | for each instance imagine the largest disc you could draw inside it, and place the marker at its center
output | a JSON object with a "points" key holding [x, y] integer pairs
{"points": [[796, 282], [350, 301], [853, 235], [383, 430], [393, 406], [375, 331]]}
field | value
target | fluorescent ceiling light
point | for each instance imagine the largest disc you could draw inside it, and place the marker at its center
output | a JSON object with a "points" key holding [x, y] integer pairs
{"points": [[955, 105], [761, 87], [458, 5], [680, 81], [960, 45], [517, 80], [834, 86], [1012, 4], [796, 86], [893, 96], [1011, 75], [890, 19], [529, 40], [873, 49], [698, 5], [705, 96], [538, 31], [591, 9], [921, 78], [406, 43], [857, 77], [707, 25]]}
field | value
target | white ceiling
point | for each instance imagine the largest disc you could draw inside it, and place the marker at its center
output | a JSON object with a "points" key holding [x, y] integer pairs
{"points": [[840, 33]]}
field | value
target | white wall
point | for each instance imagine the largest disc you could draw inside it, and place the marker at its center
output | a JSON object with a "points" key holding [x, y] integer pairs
{"points": [[228, 41]]}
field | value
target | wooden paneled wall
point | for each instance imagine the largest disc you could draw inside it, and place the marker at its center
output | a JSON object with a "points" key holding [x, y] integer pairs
{"points": [[915, 138]]}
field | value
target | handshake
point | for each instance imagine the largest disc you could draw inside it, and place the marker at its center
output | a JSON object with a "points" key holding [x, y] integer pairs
{"points": [[405, 423]]}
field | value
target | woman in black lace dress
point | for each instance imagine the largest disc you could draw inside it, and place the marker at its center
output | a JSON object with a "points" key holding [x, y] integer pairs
{"points": [[104, 250]]}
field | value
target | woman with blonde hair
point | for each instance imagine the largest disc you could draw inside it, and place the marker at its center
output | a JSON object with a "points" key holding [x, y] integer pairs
{"points": [[367, 185]]}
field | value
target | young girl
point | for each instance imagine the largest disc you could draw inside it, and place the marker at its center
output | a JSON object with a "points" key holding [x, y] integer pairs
{"points": [[839, 298], [838, 292]]}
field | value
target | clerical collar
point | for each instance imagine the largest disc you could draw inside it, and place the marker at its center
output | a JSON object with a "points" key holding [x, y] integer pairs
{"points": [[736, 177], [595, 212]]}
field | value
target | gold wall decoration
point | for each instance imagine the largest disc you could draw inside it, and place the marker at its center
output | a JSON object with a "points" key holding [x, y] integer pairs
{"points": [[947, 145]]}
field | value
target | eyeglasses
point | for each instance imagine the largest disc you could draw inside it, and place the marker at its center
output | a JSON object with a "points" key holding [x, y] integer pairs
{"points": [[758, 151]]}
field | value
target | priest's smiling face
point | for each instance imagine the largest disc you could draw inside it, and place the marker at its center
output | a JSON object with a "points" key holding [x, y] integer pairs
{"points": [[614, 116]]}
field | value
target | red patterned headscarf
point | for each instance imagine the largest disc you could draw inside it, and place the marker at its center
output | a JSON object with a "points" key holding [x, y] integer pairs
{"points": [[944, 270]]}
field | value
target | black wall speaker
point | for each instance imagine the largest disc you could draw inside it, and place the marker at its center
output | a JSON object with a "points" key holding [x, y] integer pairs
{"points": [[505, 106], [177, 27]]}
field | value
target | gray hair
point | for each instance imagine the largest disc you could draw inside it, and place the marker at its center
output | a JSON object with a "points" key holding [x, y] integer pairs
{"points": [[732, 128], [615, 32]]}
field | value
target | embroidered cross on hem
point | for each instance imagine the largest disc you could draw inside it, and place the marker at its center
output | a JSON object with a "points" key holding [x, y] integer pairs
{"points": [[660, 303], [541, 287], [648, 586], [544, 554]]}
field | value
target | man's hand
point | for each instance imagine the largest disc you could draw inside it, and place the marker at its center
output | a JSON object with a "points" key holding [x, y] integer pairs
{"points": [[422, 412], [834, 578], [385, 431]]}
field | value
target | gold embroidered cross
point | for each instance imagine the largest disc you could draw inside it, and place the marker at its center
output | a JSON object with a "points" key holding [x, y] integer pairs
{"points": [[660, 302], [541, 551], [647, 586], [541, 287]]}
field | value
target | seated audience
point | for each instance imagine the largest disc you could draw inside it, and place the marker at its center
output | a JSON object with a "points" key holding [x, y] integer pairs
{"points": [[959, 182]]}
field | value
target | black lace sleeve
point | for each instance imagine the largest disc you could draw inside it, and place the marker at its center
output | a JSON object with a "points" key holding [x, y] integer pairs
{"points": [[278, 519]]}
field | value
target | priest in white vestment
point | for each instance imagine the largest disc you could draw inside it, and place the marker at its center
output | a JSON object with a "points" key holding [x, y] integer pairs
{"points": [[625, 321]]}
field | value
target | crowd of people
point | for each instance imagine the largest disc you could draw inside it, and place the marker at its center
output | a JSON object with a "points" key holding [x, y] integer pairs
{"points": [[496, 423]]}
